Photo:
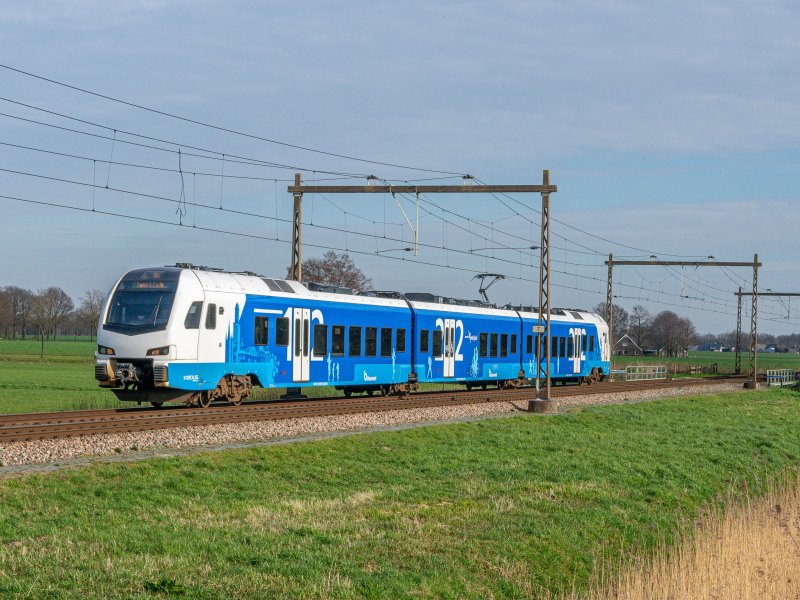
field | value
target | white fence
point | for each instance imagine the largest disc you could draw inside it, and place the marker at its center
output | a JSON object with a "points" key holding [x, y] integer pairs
{"points": [[781, 377], [645, 372]]}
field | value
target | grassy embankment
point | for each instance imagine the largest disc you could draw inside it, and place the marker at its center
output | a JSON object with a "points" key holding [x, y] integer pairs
{"points": [[508, 508]]}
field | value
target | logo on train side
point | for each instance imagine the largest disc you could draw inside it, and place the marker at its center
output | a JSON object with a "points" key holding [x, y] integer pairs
{"points": [[193, 378]]}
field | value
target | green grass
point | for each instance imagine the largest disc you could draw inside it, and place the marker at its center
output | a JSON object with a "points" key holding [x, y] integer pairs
{"points": [[508, 508], [725, 360], [62, 380], [61, 350]]}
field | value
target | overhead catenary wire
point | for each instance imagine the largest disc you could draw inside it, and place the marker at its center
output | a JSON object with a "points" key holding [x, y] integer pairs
{"points": [[224, 129], [358, 233]]}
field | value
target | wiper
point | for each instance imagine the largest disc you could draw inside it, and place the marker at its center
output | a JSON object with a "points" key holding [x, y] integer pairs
{"points": [[158, 307]]}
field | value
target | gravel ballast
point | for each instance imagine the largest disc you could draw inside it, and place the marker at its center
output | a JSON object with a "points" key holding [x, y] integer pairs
{"points": [[209, 437]]}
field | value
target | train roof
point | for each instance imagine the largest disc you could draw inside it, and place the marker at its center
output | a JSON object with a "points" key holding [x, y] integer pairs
{"points": [[248, 282]]}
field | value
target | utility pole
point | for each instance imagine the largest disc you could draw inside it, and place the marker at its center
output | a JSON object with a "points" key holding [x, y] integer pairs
{"points": [[609, 307], [753, 329], [752, 384], [543, 403], [738, 369], [297, 231]]}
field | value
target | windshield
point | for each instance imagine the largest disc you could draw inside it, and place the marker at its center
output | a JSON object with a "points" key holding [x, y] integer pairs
{"points": [[142, 302]]}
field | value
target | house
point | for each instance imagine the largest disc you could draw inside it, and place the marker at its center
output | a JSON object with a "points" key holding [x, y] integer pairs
{"points": [[625, 346], [713, 347]]}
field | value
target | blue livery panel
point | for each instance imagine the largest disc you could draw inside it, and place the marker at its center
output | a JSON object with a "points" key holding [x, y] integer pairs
{"points": [[305, 342]]}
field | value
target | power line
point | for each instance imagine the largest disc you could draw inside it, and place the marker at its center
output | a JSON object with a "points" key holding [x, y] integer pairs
{"points": [[578, 229], [219, 155], [224, 129], [154, 168]]}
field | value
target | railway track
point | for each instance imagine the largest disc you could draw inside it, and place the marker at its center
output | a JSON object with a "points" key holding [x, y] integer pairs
{"points": [[36, 426]]}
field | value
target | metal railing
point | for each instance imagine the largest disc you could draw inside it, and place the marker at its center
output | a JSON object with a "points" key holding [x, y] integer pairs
{"points": [[645, 372], [781, 377]]}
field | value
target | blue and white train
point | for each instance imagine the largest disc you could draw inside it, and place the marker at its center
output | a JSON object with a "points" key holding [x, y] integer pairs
{"points": [[197, 335]]}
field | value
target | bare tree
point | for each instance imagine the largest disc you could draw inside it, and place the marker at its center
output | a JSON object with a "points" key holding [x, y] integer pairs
{"points": [[672, 333], [48, 309], [89, 311], [619, 315], [335, 268], [19, 300], [639, 325], [5, 313]]}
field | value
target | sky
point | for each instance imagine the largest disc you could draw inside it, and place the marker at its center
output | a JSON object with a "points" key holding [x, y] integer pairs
{"points": [[670, 128]]}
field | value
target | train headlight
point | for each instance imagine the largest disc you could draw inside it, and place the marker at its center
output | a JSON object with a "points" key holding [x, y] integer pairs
{"points": [[163, 351], [105, 350]]}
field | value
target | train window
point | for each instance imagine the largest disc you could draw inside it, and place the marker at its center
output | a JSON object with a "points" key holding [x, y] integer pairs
{"points": [[591, 343], [513, 348], [570, 347], [337, 340], [583, 342], [281, 331], [529, 344], [320, 340], [484, 345], [355, 341], [371, 341], [386, 341], [562, 347], [261, 331], [493, 345], [503, 344], [553, 347], [424, 337], [305, 337], [437, 342], [192, 320], [211, 316], [401, 340], [298, 341]]}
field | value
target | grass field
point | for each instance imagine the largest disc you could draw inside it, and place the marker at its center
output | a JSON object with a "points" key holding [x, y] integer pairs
{"points": [[62, 380], [509, 507], [725, 360]]}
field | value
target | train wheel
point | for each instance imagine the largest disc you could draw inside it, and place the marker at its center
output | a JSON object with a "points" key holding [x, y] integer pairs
{"points": [[469, 387], [157, 404], [369, 392], [204, 400], [235, 400], [348, 393], [483, 386]]}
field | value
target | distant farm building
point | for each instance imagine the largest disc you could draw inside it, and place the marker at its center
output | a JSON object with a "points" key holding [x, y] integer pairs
{"points": [[625, 346]]}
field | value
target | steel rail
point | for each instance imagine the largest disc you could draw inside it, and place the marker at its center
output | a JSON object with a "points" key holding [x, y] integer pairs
{"points": [[37, 426]]}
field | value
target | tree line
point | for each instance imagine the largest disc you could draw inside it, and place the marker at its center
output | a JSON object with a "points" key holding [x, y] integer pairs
{"points": [[672, 334], [48, 313]]}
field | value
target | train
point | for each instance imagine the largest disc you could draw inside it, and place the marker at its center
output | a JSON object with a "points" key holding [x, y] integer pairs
{"points": [[192, 334]]}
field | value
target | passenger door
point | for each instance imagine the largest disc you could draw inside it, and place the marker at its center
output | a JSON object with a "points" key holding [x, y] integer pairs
{"points": [[301, 344], [449, 347]]}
